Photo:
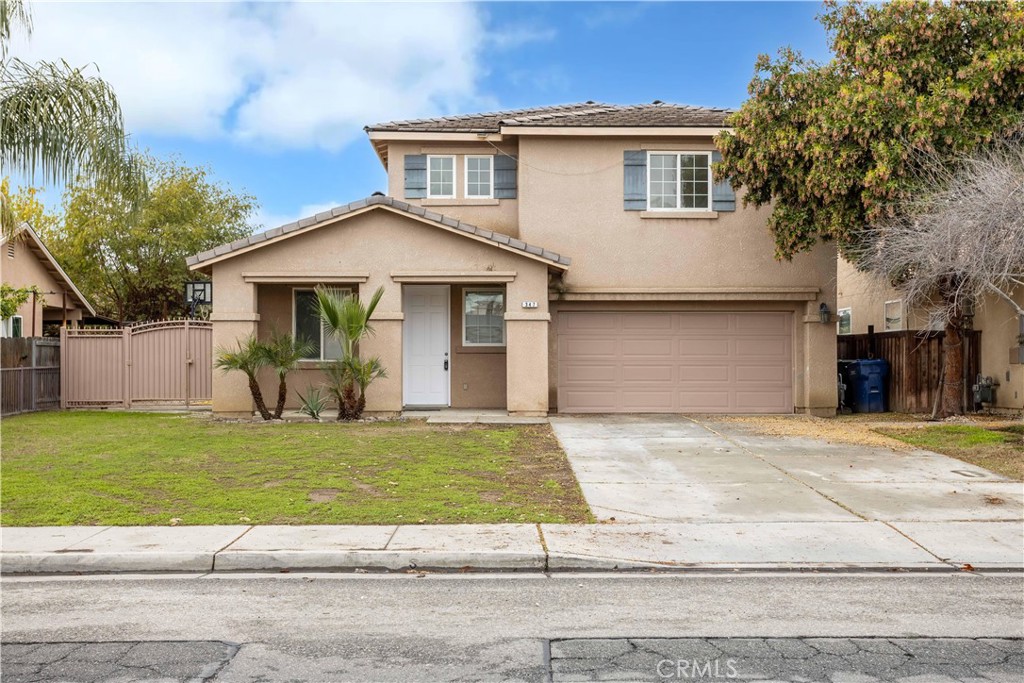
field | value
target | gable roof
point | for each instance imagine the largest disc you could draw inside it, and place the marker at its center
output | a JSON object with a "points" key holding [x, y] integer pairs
{"points": [[50, 264], [206, 258], [578, 115]]}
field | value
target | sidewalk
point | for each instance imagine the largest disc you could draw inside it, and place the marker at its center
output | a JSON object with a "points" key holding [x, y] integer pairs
{"points": [[784, 546]]}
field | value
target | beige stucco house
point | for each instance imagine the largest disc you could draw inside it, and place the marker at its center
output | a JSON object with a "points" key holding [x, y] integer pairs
{"points": [[865, 301], [577, 258], [25, 262]]}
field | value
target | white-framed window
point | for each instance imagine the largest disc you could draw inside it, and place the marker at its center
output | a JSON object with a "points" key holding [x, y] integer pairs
{"points": [[483, 317], [679, 181], [893, 312], [13, 327], [480, 176], [306, 324], [441, 177], [844, 321]]}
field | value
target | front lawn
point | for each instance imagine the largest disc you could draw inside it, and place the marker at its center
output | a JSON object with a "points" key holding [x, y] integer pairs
{"points": [[144, 468], [999, 449]]}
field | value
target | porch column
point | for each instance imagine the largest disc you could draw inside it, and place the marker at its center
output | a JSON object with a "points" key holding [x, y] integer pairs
{"points": [[527, 363], [818, 396], [234, 318], [384, 396]]}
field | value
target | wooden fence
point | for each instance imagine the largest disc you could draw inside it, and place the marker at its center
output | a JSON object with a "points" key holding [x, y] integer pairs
{"points": [[29, 374], [159, 363], [915, 364]]}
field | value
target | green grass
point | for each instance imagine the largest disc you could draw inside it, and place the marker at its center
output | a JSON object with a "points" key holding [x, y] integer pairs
{"points": [[123, 468], [999, 449]]}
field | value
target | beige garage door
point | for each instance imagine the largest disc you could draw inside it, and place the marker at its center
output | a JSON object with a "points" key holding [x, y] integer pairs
{"points": [[675, 362]]}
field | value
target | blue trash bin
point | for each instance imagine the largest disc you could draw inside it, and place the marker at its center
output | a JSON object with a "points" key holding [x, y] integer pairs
{"points": [[868, 379]]}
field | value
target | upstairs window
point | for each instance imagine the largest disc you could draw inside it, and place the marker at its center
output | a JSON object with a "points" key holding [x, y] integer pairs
{"points": [[479, 177], [844, 321], [483, 317], [306, 324], [679, 181], [441, 177], [893, 312]]}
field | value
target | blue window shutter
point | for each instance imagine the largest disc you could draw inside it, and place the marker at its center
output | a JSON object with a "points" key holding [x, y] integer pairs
{"points": [[723, 198], [415, 176], [505, 176], [634, 167]]}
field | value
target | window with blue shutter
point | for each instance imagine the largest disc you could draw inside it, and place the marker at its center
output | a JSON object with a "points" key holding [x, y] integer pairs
{"points": [[415, 176], [505, 167], [634, 168], [723, 197]]}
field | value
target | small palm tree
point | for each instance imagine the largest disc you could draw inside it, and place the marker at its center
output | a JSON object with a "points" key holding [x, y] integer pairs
{"points": [[347, 319], [283, 353], [248, 358]]}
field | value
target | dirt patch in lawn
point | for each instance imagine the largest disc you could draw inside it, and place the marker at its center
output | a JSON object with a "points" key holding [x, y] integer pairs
{"points": [[847, 429]]}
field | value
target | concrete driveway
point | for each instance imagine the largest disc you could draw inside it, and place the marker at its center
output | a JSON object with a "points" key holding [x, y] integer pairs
{"points": [[667, 470]]}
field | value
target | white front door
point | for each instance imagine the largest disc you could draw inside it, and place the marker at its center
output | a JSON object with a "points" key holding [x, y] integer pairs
{"points": [[425, 333]]}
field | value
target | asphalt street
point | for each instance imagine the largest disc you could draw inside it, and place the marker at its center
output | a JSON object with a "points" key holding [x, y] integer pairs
{"points": [[413, 627]]}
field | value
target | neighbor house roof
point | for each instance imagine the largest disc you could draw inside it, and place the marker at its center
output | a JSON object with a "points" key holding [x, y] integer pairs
{"points": [[580, 115], [303, 225], [49, 263]]}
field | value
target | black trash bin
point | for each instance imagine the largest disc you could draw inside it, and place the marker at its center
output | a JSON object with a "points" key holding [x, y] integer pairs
{"points": [[846, 385], [868, 384]]}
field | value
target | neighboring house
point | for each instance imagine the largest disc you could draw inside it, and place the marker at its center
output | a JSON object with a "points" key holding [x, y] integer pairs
{"points": [[864, 301], [576, 258], [26, 262]]}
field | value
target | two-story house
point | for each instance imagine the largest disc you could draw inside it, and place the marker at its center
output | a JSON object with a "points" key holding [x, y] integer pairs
{"points": [[576, 258]]}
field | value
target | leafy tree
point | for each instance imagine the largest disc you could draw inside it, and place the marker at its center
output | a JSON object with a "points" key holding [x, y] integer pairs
{"points": [[832, 147], [12, 298], [131, 261], [348, 320], [836, 147], [282, 352], [250, 357], [58, 122]]}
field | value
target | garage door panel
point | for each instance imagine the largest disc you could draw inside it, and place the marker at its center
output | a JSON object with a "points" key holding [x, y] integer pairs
{"points": [[765, 347], [646, 348], [691, 361], [648, 401], [588, 373], [646, 374], [703, 373]]}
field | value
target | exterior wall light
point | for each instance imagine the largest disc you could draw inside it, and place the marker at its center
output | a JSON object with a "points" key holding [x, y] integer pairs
{"points": [[824, 313]]}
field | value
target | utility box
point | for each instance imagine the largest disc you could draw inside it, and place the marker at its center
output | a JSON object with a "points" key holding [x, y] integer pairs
{"points": [[868, 381]]}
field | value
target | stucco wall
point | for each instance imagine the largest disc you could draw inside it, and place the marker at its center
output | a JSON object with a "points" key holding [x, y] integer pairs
{"points": [[383, 245], [477, 372], [500, 215], [24, 270], [866, 295]]}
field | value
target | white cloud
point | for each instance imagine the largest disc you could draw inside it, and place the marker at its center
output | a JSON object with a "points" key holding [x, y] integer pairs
{"points": [[284, 75]]}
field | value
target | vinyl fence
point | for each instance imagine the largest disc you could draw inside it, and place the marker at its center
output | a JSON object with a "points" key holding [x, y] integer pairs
{"points": [[160, 363], [29, 374], [915, 363]]}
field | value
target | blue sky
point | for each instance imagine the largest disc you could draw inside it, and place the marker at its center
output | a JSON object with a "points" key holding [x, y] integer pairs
{"points": [[273, 96]]}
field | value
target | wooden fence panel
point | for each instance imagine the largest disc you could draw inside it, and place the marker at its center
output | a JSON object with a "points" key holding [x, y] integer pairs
{"points": [[915, 363], [29, 375]]}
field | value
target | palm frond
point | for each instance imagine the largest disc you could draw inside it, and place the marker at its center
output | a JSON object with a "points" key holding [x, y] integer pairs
{"points": [[248, 357], [13, 14]]}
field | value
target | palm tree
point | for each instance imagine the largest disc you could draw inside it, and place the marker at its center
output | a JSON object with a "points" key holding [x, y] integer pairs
{"points": [[249, 358], [363, 372], [59, 122], [283, 353], [347, 319]]}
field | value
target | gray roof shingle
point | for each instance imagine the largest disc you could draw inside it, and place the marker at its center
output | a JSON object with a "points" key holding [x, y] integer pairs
{"points": [[378, 200], [579, 115]]}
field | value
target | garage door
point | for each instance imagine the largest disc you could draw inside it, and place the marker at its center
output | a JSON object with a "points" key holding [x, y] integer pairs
{"points": [[675, 362]]}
